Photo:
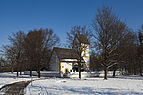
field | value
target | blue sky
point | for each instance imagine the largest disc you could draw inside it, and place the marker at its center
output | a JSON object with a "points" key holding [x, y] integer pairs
{"points": [[61, 15]]}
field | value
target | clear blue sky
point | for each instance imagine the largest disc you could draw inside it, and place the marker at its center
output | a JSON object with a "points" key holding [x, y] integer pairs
{"points": [[61, 15]]}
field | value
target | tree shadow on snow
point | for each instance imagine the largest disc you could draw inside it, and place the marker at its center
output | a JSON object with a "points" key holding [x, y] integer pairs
{"points": [[12, 76], [129, 77], [102, 91], [90, 91]]}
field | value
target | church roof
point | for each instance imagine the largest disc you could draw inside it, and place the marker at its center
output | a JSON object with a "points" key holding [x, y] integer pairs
{"points": [[82, 38], [64, 53]]}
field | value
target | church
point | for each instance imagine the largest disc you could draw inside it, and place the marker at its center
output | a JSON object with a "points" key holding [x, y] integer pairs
{"points": [[65, 60]]}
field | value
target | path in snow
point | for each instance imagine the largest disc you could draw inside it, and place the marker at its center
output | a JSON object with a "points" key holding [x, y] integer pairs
{"points": [[9, 78], [15, 88]]}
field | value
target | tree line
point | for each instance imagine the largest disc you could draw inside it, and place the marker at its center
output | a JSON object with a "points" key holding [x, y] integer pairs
{"points": [[114, 46], [30, 51]]}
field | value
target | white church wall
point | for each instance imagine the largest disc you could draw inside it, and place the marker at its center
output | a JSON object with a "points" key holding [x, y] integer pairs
{"points": [[54, 63]]}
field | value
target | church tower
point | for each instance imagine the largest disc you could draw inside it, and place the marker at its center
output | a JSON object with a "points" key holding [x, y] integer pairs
{"points": [[82, 45]]}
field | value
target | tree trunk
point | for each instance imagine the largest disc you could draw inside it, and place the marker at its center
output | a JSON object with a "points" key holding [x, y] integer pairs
{"points": [[39, 75], [79, 66], [30, 73], [79, 70], [11, 69], [20, 73], [17, 74], [141, 71], [114, 73], [105, 72]]}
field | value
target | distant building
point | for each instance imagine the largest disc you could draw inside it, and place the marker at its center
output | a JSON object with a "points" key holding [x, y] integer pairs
{"points": [[65, 60]]}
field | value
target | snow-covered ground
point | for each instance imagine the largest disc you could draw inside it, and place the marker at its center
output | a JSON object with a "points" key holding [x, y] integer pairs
{"points": [[8, 78], [89, 86], [123, 85]]}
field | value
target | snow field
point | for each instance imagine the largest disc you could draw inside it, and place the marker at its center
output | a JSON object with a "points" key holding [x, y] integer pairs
{"points": [[123, 85], [88, 86]]}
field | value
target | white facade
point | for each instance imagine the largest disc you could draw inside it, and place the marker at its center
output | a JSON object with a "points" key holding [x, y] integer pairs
{"points": [[54, 63], [65, 66]]}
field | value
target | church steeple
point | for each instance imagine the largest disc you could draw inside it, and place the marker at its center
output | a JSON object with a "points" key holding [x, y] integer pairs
{"points": [[81, 43]]}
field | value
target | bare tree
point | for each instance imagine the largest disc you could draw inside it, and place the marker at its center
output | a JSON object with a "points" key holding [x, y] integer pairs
{"points": [[14, 51], [37, 44], [2, 61], [9, 54], [78, 46], [95, 62], [109, 31], [141, 35], [128, 59], [81, 63], [140, 50], [78, 30], [81, 45]]}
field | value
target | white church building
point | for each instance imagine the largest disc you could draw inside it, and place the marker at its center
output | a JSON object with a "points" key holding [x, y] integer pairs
{"points": [[64, 60]]}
